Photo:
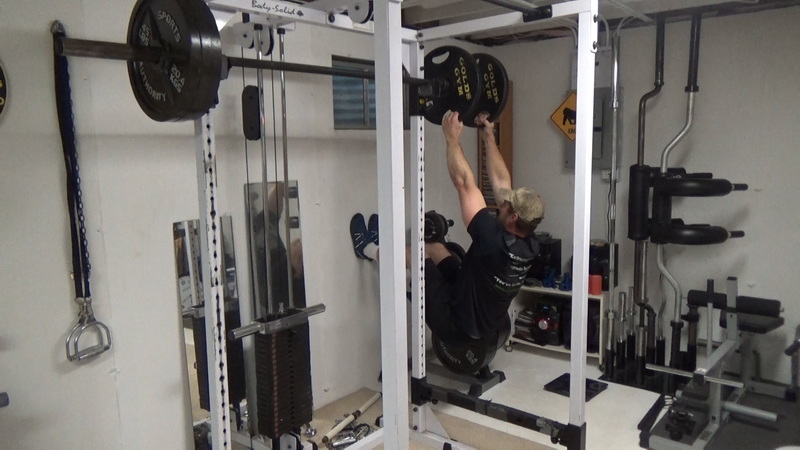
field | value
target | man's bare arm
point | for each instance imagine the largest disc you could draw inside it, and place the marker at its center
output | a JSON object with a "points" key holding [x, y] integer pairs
{"points": [[459, 169], [496, 168]]}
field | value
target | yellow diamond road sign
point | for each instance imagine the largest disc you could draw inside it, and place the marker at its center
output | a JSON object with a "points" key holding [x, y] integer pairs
{"points": [[564, 116]]}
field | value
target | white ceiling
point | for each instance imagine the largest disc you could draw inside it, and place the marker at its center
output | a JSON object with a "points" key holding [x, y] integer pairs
{"points": [[420, 14], [426, 13]]}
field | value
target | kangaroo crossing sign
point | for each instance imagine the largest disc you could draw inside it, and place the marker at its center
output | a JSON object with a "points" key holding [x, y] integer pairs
{"points": [[564, 116]]}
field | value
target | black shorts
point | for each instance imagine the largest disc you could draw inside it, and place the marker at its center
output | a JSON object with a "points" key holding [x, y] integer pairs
{"points": [[439, 281]]}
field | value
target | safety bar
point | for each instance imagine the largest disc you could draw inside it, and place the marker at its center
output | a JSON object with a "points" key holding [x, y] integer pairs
{"points": [[687, 374], [701, 373], [734, 408]]}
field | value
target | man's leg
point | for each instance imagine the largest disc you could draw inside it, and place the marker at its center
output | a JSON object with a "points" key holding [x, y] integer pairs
{"points": [[448, 265], [364, 239], [438, 311]]}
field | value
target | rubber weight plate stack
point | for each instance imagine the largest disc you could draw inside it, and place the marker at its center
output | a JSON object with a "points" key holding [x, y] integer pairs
{"points": [[183, 84], [456, 83]]}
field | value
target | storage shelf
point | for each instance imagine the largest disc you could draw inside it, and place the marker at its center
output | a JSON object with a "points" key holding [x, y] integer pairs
{"points": [[523, 299]]}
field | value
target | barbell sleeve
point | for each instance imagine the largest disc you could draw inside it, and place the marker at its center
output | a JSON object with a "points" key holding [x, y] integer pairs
{"points": [[107, 50]]}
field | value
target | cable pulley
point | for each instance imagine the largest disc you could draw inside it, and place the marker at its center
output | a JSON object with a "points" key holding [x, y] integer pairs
{"points": [[175, 65], [87, 326]]}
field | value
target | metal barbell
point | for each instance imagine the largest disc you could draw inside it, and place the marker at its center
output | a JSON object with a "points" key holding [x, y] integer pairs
{"points": [[175, 65]]}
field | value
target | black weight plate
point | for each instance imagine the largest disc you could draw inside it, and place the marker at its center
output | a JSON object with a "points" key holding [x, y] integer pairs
{"points": [[183, 85], [456, 83], [495, 88], [465, 358]]}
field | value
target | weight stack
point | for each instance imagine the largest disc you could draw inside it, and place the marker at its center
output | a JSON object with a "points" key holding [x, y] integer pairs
{"points": [[236, 383], [283, 387]]}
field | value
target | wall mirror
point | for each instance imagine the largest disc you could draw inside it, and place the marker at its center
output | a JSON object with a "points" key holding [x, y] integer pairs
{"points": [[276, 251], [186, 238], [275, 258]]}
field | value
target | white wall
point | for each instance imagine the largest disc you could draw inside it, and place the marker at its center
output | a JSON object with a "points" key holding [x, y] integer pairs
{"points": [[744, 131], [139, 177]]}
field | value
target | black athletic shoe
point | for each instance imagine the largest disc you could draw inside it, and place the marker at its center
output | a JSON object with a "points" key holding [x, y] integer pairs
{"points": [[360, 235], [372, 226]]}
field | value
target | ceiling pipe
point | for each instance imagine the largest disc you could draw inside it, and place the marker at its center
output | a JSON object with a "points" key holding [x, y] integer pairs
{"points": [[637, 223], [517, 5]]}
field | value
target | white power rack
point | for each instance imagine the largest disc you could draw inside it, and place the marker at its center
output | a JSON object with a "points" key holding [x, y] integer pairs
{"points": [[393, 44]]}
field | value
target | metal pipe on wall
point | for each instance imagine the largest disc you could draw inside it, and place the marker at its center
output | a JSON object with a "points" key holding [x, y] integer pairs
{"points": [[691, 89], [615, 105], [639, 203], [608, 362], [659, 83], [516, 5]]}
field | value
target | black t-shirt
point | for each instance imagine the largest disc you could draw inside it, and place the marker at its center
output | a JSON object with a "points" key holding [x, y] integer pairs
{"points": [[491, 275]]}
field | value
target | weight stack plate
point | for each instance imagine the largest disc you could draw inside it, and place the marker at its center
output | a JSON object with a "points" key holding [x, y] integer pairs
{"points": [[236, 382], [283, 372]]}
